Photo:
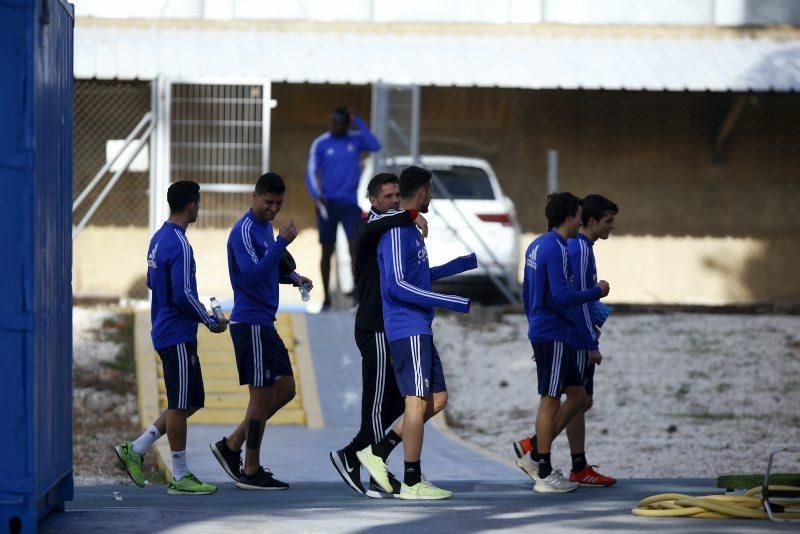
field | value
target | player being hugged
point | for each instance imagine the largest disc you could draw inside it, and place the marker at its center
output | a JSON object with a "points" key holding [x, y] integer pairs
{"points": [[408, 310]]}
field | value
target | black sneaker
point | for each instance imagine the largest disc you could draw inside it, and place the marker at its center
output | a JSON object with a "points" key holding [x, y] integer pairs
{"points": [[376, 492], [261, 480], [231, 461], [349, 468]]}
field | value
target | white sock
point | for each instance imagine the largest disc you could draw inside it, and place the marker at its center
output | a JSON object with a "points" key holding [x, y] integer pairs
{"points": [[146, 440], [179, 467]]}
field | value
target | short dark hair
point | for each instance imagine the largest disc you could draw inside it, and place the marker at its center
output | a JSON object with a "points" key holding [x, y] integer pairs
{"points": [[182, 193], [374, 187], [343, 112], [270, 183], [412, 178], [595, 207], [559, 207]]}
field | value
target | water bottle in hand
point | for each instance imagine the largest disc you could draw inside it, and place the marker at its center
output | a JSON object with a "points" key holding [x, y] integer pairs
{"points": [[216, 308], [304, 292]]}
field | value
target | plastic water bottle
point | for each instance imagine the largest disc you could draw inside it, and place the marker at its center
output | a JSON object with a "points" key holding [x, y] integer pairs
{"points": [[216, 308], [304, 292]]}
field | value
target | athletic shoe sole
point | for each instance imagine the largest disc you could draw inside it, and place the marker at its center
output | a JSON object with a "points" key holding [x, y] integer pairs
{"points": [[342, 470], [407, 497], [221, 459], [178, 492], [126, 467], [244, 486], [541, 488]]}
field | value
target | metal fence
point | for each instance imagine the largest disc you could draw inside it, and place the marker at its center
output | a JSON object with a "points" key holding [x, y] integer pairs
{"points": [[105, 113]]}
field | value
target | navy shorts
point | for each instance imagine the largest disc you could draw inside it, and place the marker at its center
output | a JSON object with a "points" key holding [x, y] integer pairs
{"points": [[587, 371], [182, 376], [338, 211], [417, 366], [556, 367], [261, 356]]}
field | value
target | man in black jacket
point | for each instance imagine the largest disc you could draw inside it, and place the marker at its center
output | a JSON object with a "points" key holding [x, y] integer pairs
{"points": [[381, 402]]}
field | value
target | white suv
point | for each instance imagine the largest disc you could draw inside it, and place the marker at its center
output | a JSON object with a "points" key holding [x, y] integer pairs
{"points": [[479, 218]]}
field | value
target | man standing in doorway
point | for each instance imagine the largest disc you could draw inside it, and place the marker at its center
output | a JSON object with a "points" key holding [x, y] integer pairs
{"points": [[334, 167], [175, 312], [408, 310], [254, 257]]}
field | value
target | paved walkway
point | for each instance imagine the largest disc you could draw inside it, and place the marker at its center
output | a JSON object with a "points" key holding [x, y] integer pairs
{"points": [[489, 494]]}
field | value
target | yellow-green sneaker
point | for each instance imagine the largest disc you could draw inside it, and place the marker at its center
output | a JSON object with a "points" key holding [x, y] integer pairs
{"points": [[189, 485], [423, 491], [376, 467], [131, 461]]}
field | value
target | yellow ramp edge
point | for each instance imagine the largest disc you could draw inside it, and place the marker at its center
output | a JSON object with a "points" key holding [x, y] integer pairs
{"points": [[226, 401]]}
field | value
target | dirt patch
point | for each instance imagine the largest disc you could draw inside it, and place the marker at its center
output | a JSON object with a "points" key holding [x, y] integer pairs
{"points": [[677, 395], [104, 410]]}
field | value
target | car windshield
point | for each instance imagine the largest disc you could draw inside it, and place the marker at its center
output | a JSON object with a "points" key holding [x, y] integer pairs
{"points": [[461, 181]]}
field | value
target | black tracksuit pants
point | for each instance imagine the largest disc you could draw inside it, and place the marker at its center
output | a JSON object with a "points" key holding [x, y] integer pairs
{"points": [[381, 402]]}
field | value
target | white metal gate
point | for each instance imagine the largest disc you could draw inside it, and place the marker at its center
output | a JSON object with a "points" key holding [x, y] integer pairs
{"points": [[215, 132]]}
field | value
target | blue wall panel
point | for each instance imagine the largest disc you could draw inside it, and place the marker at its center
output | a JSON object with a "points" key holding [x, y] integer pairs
{"points": [[36, 94]]}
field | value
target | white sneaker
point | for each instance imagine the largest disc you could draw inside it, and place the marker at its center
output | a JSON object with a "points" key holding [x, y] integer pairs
{"points": [[554, 483], [529, 467]]}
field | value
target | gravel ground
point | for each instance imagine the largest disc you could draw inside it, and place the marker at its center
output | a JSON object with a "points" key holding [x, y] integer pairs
{"points": [[677, 395], [104, 395]]}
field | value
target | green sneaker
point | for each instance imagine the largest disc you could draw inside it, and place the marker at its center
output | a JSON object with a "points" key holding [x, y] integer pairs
{"points": [[131, 461], [189, 485], [424, 491], [376, 468]]}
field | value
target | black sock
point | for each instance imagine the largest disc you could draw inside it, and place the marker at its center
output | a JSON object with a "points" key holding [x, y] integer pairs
{"points": [[545, 468], [578, 462], [533, 445], [413, 474], [385, 447]]}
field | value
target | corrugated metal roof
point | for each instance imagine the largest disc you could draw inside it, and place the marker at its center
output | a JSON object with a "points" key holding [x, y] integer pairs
{"points": [[441, 59]]}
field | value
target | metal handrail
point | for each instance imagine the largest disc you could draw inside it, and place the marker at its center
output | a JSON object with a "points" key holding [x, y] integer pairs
{"points": [[104, 169], [104, 193]]}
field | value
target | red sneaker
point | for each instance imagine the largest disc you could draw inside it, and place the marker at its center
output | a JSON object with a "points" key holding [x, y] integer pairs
{"points": [[523, 447], [589, 477]]}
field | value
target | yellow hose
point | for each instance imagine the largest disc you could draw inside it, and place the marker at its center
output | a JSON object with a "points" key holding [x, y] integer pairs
{"points": [[748, 506]]}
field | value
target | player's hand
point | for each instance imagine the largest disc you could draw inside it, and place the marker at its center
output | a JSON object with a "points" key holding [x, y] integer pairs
{"points": [[302, 280], [422, 224], [595, 357], [222, 325], [604, 288], [288, 231]]}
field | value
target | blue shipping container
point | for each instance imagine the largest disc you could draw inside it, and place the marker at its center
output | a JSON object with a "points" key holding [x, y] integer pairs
{"points": [[36, 95]]}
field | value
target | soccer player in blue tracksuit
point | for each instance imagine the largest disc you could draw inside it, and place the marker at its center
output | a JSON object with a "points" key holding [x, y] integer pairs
{"points": [[549, 298], [408, 309], [332, 179], [597, 216], [254, 258], [175, 312]]}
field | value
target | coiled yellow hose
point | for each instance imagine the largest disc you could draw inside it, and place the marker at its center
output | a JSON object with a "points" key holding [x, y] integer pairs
{"points": [[747, 506]]}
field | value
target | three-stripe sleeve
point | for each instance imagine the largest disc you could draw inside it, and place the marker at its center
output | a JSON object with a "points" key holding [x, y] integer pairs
{"points": [[183, 284], [391, 260]]}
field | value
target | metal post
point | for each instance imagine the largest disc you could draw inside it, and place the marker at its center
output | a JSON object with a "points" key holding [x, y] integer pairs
{"points": [[266, 114], [415, 104], [552, 171], [160, 155]]}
